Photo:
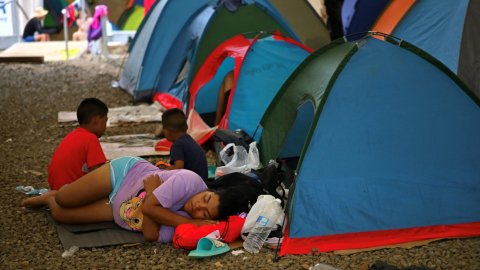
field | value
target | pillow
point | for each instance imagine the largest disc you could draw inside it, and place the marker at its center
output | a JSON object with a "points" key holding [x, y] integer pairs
{"points": [[187, 235]]}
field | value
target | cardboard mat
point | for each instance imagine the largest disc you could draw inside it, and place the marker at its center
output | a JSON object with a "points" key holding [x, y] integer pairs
{"points": [[139, 145], [94, 235], [122, 116]]}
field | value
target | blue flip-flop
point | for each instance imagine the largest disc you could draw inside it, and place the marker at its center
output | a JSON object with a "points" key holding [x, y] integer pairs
{"points": [[211, 172], [207, 247]]}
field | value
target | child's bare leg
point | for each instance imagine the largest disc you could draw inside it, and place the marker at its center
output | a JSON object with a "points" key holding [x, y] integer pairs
{"points": [[98, 211], [91, 188], [39, 201], [226, 86]]}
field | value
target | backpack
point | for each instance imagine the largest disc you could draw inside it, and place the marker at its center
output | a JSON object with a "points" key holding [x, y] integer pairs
{"points": [[272, 179], [245, 188]]}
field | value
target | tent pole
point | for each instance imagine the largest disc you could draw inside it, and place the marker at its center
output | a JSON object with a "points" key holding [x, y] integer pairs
{"points": [[65, 31], [16, 20], [84, 16], [104, 33]]}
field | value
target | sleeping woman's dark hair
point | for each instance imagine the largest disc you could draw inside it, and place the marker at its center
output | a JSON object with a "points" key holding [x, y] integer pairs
{"points": [[229, 205], [238, 188]]}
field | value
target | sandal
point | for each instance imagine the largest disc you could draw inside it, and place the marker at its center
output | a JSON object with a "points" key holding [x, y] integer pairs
{"points": [[207, 247]]}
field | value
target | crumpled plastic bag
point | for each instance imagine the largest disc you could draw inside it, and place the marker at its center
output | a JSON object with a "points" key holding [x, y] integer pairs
{"points": [[241, 161]]}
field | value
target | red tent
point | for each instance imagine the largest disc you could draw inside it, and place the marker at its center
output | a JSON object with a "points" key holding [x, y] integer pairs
{"points": [[147, 4]]}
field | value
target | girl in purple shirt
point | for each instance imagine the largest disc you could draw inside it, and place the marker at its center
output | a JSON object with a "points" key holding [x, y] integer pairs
{"points": [[138, 196]]}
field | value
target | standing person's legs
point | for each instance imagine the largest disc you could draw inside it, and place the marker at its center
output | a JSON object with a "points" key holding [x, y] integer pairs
{"points": [[224, 88], [334, 12]]}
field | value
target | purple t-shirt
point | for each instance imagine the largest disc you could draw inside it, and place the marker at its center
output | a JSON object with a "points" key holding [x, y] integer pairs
{"points": [[178, 187]]}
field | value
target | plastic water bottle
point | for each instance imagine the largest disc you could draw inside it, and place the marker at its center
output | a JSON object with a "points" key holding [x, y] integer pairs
{"points": [[263, 226], [29, 190]]}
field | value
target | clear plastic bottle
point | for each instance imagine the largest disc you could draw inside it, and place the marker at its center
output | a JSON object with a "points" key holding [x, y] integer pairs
{"points": [[263, 226], [30, 190]]}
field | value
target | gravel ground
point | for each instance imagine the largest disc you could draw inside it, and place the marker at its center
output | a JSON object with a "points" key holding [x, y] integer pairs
{"points": [[30, 98]]}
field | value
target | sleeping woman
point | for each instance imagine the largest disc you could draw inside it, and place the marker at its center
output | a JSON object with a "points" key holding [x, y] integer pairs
{"points": [[140, 197]]}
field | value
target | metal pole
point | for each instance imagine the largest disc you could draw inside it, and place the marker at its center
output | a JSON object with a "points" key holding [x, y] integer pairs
{"points": [[21, 9], [65, 30], [84, 16], [15, 20], [104, 33]]}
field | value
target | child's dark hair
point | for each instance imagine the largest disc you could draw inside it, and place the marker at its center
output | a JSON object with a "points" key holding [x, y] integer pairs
{"points": [[228, 206], [89, 108], [174, 120]]}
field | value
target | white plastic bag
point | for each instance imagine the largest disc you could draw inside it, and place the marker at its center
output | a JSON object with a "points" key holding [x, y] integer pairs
{"points": [[241, 161]]}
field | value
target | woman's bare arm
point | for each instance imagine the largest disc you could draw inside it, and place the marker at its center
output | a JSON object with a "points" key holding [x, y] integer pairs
{"points": [[155, 211], [151, 229], [155, 215]]}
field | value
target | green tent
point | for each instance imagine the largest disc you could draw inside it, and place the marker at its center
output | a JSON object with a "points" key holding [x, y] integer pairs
{"points": [[386, 137], [131, 18]]}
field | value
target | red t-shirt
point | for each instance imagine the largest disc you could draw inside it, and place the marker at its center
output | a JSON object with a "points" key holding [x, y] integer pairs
{"points": [[78, 151]]}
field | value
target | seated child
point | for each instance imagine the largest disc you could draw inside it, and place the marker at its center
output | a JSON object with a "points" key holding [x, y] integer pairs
{"points": [[80, 152], [80, 35], [185, 152]]}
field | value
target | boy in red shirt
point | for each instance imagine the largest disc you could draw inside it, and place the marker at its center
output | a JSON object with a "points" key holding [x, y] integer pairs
{"points": [[80, 152]]}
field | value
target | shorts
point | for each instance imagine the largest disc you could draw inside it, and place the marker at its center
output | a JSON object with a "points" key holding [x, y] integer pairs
{"points": [[119, 167], [29, 39]]}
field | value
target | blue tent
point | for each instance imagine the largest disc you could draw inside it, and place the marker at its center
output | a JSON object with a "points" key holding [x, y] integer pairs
{"points": [[260, 66], [449, 30], [360, 15], [390, 151], [173, 30]]}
